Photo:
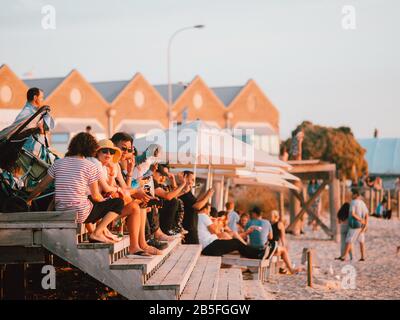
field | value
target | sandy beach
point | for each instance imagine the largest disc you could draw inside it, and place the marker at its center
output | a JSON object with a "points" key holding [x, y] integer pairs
{"points": [[376, 278]]}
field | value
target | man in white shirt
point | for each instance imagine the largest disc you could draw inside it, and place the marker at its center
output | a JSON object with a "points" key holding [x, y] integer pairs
{"points": [[358, 221], [212, 246]]}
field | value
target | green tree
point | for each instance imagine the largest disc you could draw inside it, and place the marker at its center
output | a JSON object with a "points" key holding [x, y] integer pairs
{"points": [[336, 145]]}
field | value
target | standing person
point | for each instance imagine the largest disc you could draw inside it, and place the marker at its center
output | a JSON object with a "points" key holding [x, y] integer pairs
{"points": [[358, 222], [316, 206], [212, 246], [343, 218], [191, 204], [296, 148], [262, 229], [35, 142], [233, 216], [279, 235]]}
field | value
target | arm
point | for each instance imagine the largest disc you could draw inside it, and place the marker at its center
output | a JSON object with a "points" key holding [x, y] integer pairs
{"points": [[39, 188], [95, 192], [213, 228], [203, 200], [160, 192]]}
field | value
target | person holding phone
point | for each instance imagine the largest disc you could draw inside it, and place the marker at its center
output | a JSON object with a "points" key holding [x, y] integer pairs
{"points": [[191, 205]]}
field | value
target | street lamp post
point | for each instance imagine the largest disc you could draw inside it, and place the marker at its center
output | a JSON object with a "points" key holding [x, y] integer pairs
{"points": [[169, 68]]}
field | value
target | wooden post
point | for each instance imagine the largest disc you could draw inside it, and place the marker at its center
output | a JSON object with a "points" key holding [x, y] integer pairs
{"points": [[309, 269], [334, 204], [398, 204], [371, 201], [389, 199], [343, 192], [281, 205], [295, 207]]}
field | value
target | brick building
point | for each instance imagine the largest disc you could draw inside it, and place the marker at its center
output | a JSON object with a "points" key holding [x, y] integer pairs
{"points": [[136, 106]]}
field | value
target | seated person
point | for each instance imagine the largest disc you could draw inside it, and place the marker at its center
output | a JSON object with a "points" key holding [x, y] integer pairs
{"points": [[73, 175], [382, 210], [233, 216], [241, 226], [212, 246], [262, 229], [279, 235], [169, 196]]}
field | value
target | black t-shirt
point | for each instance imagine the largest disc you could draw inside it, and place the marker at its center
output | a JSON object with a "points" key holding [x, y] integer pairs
{"points": [[190, 218]]}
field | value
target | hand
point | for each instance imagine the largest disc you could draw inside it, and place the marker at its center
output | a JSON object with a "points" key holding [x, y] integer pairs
{"points": [[251, 229], [130, 165], [211, 191], [29, 202], [141, 195]]}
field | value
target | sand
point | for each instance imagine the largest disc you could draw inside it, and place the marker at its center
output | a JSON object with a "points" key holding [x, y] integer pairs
{"points": [[376, 278]]}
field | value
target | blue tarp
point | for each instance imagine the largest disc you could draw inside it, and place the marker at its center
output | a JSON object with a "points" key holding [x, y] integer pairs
{"points": [[383, 155]]}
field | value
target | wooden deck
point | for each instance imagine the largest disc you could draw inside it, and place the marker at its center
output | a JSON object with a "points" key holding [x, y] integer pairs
{"points": [[179, 273]]}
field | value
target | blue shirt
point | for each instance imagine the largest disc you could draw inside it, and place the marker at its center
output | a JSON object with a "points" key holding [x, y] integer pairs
{"points": [[233, 220], [259, 238]]}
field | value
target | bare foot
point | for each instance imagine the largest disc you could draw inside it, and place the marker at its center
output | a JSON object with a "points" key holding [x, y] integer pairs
{"points": [[111, 236], [100, 238]]}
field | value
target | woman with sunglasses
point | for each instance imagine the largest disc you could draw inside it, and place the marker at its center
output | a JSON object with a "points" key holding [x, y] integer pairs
{"points": [[112, 181], [73, 175]]}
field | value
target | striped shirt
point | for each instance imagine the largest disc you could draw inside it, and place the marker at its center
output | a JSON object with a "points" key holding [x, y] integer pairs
{"points": [[72, 177]]}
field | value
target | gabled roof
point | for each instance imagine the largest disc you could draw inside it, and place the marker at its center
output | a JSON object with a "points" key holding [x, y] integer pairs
{"points": [[46, 84], [177, 90], [383, 155], [110, 89], [227, 94]]}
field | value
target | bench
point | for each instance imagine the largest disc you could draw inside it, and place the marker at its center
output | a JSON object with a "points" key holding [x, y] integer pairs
{"points": [[234, 259]]}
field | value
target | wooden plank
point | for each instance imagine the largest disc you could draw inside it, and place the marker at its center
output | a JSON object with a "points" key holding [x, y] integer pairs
{"points": [[230, 285], [16, 238], [38, 216], [203, 282], [253, 290], [38, 225], [147, 265], [175, 272], [237, 260]]}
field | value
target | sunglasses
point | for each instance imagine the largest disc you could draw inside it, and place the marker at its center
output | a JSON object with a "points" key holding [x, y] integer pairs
{"points": [[126, 149], [108, 150]]}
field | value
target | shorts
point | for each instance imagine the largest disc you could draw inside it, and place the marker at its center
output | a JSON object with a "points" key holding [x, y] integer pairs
{"points": [[355, 235], [100, 209]]}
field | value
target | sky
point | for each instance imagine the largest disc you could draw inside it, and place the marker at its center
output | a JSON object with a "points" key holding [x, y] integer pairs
{"points": [[299, 52]]}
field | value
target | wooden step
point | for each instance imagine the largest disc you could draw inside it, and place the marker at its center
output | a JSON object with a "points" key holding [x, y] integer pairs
{"points": [[146, 265], [230, 284], [253, 290], [176, 270], [113, 247], [203, 283]]}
